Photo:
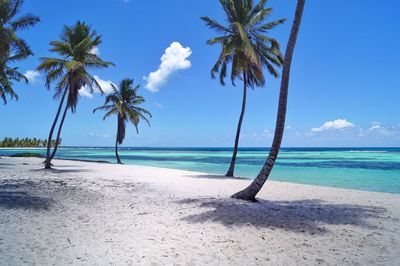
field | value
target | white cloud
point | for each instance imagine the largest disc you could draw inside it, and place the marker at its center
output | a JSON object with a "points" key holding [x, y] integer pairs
{"points": [[375, 125], [336, 124], [377, 129], [95, 50], [158, 105], [31, 75], [104, 84], [104, 135], [257, 135], [174, 58]]}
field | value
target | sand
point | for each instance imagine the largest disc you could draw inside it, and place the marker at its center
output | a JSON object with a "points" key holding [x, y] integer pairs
{"points": [[104, 214]]}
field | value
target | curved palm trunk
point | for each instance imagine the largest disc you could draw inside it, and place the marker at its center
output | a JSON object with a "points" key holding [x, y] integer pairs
{"points": [[239, 127], [252, 190], [48, 160], [59, 133], [116, 142]]}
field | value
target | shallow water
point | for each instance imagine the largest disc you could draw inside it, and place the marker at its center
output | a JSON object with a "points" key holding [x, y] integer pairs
{"points": [[372, 169]]}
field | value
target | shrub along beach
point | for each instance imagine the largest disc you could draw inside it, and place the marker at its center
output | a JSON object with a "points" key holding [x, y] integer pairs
{"points": [[183, 206]]}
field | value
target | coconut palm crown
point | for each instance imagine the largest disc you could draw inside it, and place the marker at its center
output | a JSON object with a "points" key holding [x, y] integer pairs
{"points": [[12, 47], [244, 44], [70, 70]]}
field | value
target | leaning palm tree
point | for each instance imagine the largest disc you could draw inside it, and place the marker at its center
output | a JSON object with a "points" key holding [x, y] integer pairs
{"points": [[70, 71], [246, 48], [125, 103], [12, 47], [252, 190]]}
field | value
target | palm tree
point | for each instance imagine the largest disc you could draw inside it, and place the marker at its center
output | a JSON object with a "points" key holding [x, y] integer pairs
{"points": [[252, 190], [246, 48], [125, 103], [12, 47], [70, 72]]}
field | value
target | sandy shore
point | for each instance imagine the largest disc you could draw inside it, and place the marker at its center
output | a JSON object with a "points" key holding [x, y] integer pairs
{"points": [[103, 214]]}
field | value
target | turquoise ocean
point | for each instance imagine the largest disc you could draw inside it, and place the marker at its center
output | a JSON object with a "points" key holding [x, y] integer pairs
{"points": [[371, 169]]}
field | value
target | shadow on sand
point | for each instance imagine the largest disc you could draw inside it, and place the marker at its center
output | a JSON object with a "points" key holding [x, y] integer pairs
{"points": [[5, 165], [301, 216], [22, 200], [15, 195], [61, 171], [24, 193], [215, 176]]}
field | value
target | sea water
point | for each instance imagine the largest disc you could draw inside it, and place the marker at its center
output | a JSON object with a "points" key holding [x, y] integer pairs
{"points": [[371, 169]]}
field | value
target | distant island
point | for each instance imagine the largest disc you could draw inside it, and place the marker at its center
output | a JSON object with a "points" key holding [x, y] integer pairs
{"points": [[25, 142]]}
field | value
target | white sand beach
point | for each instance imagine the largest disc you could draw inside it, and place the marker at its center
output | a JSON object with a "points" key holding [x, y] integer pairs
{"points": [[104, 214]]}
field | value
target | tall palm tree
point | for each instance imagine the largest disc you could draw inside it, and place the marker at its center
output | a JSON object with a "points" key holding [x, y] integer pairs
{"points": [[246, 48], [252, 190], [125, 103], [70, 71], [12, 47]]}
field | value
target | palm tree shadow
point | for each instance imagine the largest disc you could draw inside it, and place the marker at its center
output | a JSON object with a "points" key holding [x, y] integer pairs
{"points": [[301, 216], [216, 176], [61, 171], [16, 194], [5, 165], [22, 200]]}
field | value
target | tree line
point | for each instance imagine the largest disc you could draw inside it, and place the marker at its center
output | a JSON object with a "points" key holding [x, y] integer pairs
{"points": [[25, 142]]}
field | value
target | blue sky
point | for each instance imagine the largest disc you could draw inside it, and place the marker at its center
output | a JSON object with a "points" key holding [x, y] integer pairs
{"points": [[344, 90]]}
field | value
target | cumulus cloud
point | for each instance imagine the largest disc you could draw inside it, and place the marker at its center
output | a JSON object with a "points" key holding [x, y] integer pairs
{"points": [[31, 75], [174, 58], [104, 84], [335, 124], [95, 50]]}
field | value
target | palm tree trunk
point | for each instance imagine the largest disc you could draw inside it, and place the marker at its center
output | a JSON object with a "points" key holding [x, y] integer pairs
{"points": [[235, 148], [48, 160], [116, 145], [252, 190], [59, 133]]}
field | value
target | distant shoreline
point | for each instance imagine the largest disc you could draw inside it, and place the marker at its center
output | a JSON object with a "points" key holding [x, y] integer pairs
{"points": [[201, 147]]}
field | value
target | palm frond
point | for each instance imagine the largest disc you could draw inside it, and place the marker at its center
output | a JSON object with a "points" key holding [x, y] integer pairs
{"points": [[24, 22], [270, 25], [212, 24]]}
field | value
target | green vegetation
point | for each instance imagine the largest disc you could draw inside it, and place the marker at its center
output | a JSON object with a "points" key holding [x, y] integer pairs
{"points": [[12, 47], [69, 70], [125, 103], [246, 48], [27, 154], [25, 142]]}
